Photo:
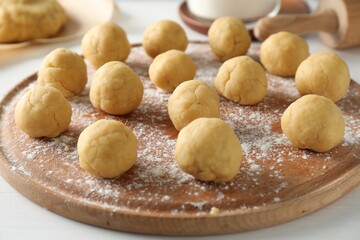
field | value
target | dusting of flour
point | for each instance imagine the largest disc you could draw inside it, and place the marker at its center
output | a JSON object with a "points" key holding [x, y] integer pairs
{"points": [[270, 166]]}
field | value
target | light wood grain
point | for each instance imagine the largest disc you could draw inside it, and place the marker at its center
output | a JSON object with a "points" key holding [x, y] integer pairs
{"points": [[337, 21], [312, 183]]}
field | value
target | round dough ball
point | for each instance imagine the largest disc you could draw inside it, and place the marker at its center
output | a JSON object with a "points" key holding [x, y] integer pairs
{"points": [[104, 43], [242, 80], [282, 53], [116, 89], [162, 36], [191, 100], [64, 70], [228, 38], [325, 74], [26, 20], [313, 122], [107, 148], [43, 112], [171, 68], [209, 150]]}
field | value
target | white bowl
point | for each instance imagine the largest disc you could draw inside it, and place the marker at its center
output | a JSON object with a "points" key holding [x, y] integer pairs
{"points": [[247, 10]]}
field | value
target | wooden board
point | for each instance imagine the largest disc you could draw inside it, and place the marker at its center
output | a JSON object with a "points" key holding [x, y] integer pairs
{"points": [[275, 184]]}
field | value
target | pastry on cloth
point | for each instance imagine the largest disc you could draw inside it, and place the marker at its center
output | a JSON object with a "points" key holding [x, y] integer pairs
{"points": [[24, 20]]}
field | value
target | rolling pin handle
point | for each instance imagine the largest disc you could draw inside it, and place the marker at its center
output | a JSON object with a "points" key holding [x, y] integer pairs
{"points": [[324, 21]]}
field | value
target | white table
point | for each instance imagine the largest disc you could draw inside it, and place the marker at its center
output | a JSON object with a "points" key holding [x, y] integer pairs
{"points": [[22, 219]]}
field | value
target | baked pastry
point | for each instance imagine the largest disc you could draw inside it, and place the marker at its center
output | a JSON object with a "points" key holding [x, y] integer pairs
{"points": [[282, 53], [64, 70], [104, 43], [191, 100], [209, 150], [242, 80], [116, 89], [313, 122], [323, 73], [228, 38], [43, 112], [107, 148], [171, 68], [162, 36], [23, 20]]}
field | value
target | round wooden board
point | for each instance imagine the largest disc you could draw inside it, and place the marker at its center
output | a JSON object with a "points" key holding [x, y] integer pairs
{"points": [[275, 184]]}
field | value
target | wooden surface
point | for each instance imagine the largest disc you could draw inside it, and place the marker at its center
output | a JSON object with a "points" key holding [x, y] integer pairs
{"points": [[337, 21], [276, 183], [202, 25]]}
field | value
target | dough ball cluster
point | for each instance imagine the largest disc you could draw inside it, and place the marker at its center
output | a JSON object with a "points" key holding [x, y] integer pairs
{"points": [[162, 36], [43, 112], [116, 89], [242, 80], [107, 148], [191, 100], [323, 73], [171, 68], [209, 150], [64, 70], [26, 20], [104, 43], [313, 122], [228, 38], [282, 53]]}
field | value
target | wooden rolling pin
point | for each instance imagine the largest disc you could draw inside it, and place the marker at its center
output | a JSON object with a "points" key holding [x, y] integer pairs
{"points": [[337, 21]]}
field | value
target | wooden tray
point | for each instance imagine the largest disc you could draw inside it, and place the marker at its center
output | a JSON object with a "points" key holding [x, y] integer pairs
{"points": [[275, 184]]}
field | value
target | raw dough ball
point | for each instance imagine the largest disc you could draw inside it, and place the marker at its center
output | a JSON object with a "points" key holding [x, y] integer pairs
{"points": [[228, 38], [191, 100], [171, 68], [313, 122], [323, 73], [43, 112], [104, 43], [282, 53], [242, 80], [107, 148], [23, 20], [64, 70], [162, 36], [116, 89], [209, 150]]}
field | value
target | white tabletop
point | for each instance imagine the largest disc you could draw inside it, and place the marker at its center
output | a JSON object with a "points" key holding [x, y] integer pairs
{"points": [[22, 219]]}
